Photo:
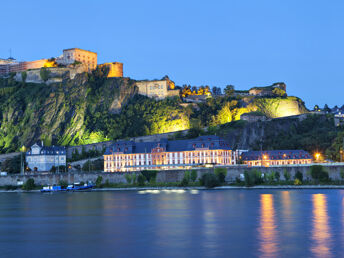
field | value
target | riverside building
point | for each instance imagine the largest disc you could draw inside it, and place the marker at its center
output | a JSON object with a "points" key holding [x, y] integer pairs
{"points": [[43, 158], [276, 157], [126, 156]]}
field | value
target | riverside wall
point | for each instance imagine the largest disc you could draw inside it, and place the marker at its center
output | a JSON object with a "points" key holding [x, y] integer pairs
{"points": [[163, 176]]}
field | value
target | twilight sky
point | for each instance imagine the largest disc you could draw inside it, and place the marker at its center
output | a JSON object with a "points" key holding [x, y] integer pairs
{"points": [[244, 43]]}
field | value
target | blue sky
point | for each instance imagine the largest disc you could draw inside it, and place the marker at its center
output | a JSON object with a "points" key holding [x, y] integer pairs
{"points": [[244, 43]]}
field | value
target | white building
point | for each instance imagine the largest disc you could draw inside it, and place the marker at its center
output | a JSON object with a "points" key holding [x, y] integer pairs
{"points": [[43, 158]]}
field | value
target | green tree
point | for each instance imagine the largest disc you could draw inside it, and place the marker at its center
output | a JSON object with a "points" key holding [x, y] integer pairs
{"points": [[99, 181], [221, 174], [277, 176], [128, 178], [141, 180], [287, 175], [150, 175], [44, 72], [29, 184], [63, 184], [299, 176], [24, 76], [318, 173], [209, 180], [193, 176], [229, 90]]}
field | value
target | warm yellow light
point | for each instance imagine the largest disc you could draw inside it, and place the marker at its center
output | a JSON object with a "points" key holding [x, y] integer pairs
{"points": [[317, 155], [265, 157]]}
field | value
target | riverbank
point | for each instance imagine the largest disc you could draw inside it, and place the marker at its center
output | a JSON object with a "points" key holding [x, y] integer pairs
{"points": [[179, 189]]}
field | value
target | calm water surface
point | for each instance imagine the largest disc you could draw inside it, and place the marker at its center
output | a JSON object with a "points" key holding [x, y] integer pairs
{"points": [[230, 223]]}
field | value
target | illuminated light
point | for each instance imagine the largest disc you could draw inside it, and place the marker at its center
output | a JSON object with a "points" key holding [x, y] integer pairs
{"points": [[321, 230], [267, 230], [50, 64], [317, 156], [194, 192]]}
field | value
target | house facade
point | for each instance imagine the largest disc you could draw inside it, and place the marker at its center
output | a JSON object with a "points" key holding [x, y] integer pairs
{"points": [[43, 158], [276, 157], [158, 89], [127, 156]]}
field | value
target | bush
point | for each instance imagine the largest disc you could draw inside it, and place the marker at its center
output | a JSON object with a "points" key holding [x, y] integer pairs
{"points": [[44, 72], [29, 185], [128, 178], [99, 181], [141, 180], [193, 176], [286, 175], [297, 182], [319, 174], [149, 174], [253, 177], [341, 173], [221, 174], [186, 179], [63, 184], [277, 176], [299, 176], [133, 177], [209, 180]]}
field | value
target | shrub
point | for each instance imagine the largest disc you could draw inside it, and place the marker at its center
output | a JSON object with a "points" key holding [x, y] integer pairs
{"points": [[29, 184], [286, 175], [299, 176], [99, 181], [221, 174], [277, 176], [209, 180], [318, 173], [186, 179], [271, 177], [44, 74], [149, 174], [133, 177], [24, 76], [193, 176], [253, 177], [141, 180], [341, 173], [128, 178], [63, 184], [297, 182]]}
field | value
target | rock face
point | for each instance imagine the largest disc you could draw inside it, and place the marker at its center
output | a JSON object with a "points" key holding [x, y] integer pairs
{"points": [[57, 113]]}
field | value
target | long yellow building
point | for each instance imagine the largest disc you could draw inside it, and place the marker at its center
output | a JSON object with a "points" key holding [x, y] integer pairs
{"points": [[131, 156]]}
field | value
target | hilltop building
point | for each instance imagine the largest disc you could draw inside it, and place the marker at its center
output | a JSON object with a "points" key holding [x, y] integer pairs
{"points": [[158, 89], [43, 158], [127, 156], [73, 55], [12, 66], [276, 157]]}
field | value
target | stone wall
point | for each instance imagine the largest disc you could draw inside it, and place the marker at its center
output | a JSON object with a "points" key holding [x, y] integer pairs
{"points": [[57, 74], [163, 176]]}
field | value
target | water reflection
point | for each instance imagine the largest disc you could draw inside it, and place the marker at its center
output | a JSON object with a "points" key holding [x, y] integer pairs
{"points": [[267, 230], [321, 235]]}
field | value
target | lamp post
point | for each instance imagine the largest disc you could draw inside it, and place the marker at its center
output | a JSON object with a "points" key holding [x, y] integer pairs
{"points": [[58, 163]]}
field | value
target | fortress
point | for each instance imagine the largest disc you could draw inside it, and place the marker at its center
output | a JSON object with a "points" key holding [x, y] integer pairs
{"points": [[74, 60]]}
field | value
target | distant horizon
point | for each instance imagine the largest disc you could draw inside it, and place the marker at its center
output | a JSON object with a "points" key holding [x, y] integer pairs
{"points": [[244, 43]]}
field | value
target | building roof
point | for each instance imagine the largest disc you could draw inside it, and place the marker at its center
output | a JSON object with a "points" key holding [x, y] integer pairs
{"points": [[276, 155], [75, 48], [47, 150], [203, 142]]}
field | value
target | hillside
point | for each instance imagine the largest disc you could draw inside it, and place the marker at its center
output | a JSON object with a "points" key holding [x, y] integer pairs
{"points": [[91, 108]]}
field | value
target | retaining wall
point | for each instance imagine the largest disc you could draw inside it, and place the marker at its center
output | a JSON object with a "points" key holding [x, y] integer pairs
{"points": [[163, 176]]}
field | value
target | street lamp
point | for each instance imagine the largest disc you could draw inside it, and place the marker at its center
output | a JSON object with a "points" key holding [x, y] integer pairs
{"points": [[317, 156]]}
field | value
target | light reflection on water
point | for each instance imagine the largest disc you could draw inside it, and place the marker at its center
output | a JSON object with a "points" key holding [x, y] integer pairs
{"points": [[321, 234], [267, 230], [174, 223]]}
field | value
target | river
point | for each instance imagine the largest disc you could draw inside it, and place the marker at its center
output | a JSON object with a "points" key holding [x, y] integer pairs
{"points": [[209, 223]]}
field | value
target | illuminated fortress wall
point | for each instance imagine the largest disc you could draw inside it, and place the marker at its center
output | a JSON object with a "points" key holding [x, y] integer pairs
{"points": [[115, 69]]}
